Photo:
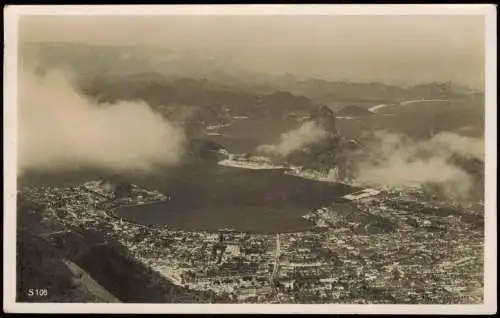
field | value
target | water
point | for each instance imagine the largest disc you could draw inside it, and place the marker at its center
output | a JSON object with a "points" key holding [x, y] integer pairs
{"points": [[209, 198], [247, 134]]}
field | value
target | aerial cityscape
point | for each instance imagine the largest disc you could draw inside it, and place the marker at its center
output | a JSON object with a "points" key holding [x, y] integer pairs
{"points": [[313, 161], [388, 246]]}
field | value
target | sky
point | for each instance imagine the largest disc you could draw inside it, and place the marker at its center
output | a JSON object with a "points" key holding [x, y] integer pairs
{"points": [[399, 49]]}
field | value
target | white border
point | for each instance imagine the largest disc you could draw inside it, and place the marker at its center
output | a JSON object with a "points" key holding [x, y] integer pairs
{"points": [[252, 9], [11, 16]]}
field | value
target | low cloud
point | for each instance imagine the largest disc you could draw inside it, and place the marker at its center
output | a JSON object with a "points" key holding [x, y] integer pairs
{"points": [[398, 161], [60, 128], [308, 133]]}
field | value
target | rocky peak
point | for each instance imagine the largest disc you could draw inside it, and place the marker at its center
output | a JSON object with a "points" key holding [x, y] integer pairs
{"points": [[325, 118]]}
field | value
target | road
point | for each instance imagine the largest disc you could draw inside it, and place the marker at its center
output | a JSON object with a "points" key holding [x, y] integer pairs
{"points": [[275, 274]]}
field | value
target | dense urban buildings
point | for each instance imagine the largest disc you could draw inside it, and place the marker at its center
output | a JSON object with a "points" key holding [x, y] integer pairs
{"points": [[378, 246]]}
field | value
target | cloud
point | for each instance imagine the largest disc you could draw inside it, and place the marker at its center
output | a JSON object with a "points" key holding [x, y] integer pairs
{"points": [[306, 134], [59, 128], [398, 161]]}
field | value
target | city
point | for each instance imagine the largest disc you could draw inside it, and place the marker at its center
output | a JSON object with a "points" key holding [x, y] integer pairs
{"points": [[388, 247]]}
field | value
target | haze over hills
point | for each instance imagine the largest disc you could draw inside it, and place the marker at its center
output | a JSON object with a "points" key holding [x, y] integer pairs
{"points": [[111, 73], [230, 105], [91, 60], [396, 50]]}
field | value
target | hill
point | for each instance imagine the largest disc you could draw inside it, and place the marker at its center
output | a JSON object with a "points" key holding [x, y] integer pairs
{"points": [[193, 100], [41, 265], [426, 118], [330, 152], [337, 94], [75, 256]]}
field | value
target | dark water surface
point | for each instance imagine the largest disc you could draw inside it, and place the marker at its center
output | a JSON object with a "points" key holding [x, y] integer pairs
{"points": [[209, 197], [246, 200]]}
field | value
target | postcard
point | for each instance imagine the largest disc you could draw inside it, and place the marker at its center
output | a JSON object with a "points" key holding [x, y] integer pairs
{"points": [[250, 159]]}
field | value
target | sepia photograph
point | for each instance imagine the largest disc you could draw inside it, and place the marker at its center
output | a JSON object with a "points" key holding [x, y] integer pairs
{"points": [[252, 159]]}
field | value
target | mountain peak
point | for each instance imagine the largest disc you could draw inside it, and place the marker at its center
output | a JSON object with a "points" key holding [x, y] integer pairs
{"points": [[325, 118]]}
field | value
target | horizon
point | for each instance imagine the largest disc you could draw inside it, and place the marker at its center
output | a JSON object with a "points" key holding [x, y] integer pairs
{"points": [[264, 77], [402, 51]]}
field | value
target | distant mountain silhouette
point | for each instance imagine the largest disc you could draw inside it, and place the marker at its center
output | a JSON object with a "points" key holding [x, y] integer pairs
{"points": [[158, 91], [126, 62]]}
